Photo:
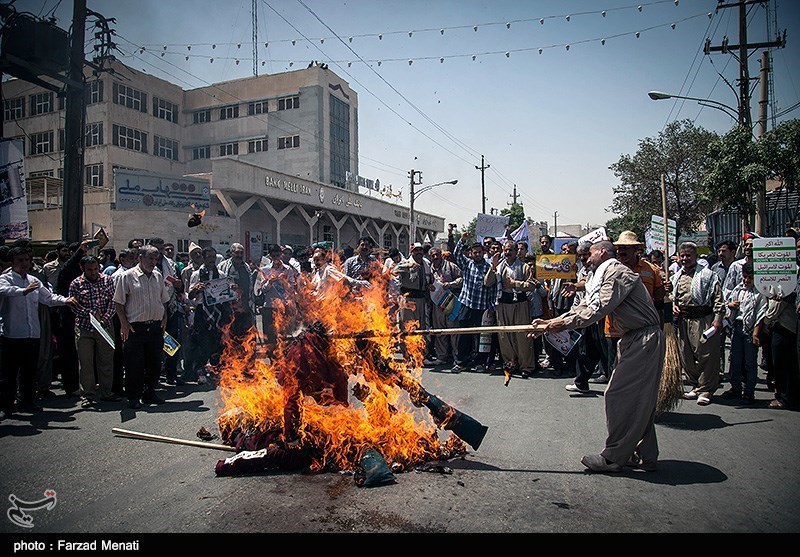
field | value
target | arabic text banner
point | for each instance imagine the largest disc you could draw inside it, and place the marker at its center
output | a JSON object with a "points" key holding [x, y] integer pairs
{"points": [[775, 266], [563, 266], [141, 191]]}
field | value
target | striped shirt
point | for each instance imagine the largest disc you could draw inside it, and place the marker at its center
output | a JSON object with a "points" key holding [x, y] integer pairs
{"points": [[93, 297], [143, 296], [473, 293]]}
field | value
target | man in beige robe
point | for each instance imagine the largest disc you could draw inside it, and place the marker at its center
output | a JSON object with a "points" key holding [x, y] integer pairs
{"points": [[513, 281], [698, 307], [632, 393]]}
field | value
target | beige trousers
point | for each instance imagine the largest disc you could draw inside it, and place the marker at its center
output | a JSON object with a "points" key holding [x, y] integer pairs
{"points": [[96, 357], [516, 347], [700, 358]]}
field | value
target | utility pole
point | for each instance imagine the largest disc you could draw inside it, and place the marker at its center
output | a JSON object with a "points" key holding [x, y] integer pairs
{"points": [[415, 177], [555, 224], [255, 37], [72, 208], [763, 102], [483, 168], [745, 118], [514, 196]]}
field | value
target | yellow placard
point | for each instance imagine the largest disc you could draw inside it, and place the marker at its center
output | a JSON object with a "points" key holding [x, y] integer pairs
{"points": [[553, 266]]}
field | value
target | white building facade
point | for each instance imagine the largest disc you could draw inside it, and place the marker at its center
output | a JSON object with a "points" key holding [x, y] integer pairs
{"points": [[274, 151]]}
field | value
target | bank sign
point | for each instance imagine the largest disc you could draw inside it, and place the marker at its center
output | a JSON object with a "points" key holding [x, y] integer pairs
{"points": [[141, 191]]}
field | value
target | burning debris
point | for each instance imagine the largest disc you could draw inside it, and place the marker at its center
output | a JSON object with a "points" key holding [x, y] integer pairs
{"points": [[330, 399]]}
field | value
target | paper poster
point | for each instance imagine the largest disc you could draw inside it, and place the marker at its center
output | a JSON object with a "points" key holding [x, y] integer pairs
{"points": [[171, 346], [563, 341], [100, 329], [218, 291], [775, 266], [657, 240], [13, 200], [594, 236], [553, 266], [490, 225]]}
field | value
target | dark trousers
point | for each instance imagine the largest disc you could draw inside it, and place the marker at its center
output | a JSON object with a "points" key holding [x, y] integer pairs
{"points": [[744, 360], [20, 359], [268, 325], [174, 328], [466, 343], [588, 353], [118, 383], [143, 353], [784, 360], [64, 331], [207, 348]]}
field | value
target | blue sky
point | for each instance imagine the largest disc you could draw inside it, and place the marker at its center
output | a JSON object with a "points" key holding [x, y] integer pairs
{"points": [[551, 123]]}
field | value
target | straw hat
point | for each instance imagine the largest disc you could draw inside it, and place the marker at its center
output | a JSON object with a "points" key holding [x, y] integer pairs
{"points": [[628, 238]]}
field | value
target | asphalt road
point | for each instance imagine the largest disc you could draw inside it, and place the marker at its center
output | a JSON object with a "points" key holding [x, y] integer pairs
{"points": [[723, 468]]}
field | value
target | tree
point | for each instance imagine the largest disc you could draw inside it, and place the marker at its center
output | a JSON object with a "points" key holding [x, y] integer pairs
{"points": [[516, 214], [680, 152], [779, 151], [736, 172]]}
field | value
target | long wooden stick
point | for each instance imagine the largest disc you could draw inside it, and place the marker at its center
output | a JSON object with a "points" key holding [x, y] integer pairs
{"points": [[162, 439], [442, 332]]}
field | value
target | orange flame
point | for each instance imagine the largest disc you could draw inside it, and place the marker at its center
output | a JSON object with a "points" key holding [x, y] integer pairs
{"points": [[383, 415]]}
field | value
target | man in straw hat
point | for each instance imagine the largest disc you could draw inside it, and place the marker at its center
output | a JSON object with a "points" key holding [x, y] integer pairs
{"points": [[699, 310], [632, 393]]}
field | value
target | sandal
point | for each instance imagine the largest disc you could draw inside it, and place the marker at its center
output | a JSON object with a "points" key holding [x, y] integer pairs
{"points": [[777, 404]]}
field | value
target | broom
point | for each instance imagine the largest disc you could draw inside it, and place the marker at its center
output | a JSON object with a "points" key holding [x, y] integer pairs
{"points": [[670, 388]]}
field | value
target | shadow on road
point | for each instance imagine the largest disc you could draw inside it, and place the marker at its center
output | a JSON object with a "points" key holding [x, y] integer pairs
{"points": [[24, 425], [670, 472], [698, 422]]}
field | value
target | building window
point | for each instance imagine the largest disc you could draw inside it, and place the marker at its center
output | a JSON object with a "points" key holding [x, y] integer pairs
{"points": [[183, 245], [164, 147], [93, 175], [228, 149], [289, 103], [94, 134], [61, 139], [201, 152], [229, 112], [41, 143], [41, 103], [387, 241], [130, 138], [62, 101], [257, 145], [289, 142], [327, 233], [130, 97], [201, 116], [165, 110], [41, 174], [14, 109], [259, 107], [94, 92], [339, 140]]}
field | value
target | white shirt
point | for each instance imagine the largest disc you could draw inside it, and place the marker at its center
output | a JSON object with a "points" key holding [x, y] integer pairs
{"points": [[20, 313], [142, 295]]}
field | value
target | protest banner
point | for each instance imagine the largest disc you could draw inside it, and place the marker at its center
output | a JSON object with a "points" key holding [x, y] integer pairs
{"points": [[775, 266], [552, 266], [490, 225]]}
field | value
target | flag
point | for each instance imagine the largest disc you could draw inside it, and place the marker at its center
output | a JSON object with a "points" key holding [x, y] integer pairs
{"points": [[521, 234]]}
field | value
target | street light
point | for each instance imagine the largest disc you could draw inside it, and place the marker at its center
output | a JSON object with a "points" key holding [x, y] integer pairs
{"points": [[413, 195], [730, 111]]}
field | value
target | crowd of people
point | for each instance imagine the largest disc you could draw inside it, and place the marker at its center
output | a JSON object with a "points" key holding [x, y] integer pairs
{"points": [[98, 324]]}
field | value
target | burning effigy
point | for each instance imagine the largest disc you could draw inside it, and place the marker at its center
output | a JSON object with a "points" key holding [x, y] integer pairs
{"points": [[340, 391]]}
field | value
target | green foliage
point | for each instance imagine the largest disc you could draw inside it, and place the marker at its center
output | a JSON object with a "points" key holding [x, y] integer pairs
{"points": [[618, 224], [736, 172], [680, 152], [779, 152], [516, 214], [470, 227]]}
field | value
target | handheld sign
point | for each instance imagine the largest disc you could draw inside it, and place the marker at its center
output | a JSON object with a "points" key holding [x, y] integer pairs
{"points": [[775, 266], [554, 266]]}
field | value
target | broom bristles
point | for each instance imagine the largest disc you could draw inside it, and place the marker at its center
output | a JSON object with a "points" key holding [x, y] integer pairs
{"points": [[670, 389]]}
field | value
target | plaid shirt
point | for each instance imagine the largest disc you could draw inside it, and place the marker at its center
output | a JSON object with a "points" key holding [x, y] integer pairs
{"points": [[96, 297], [473, 294]]}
